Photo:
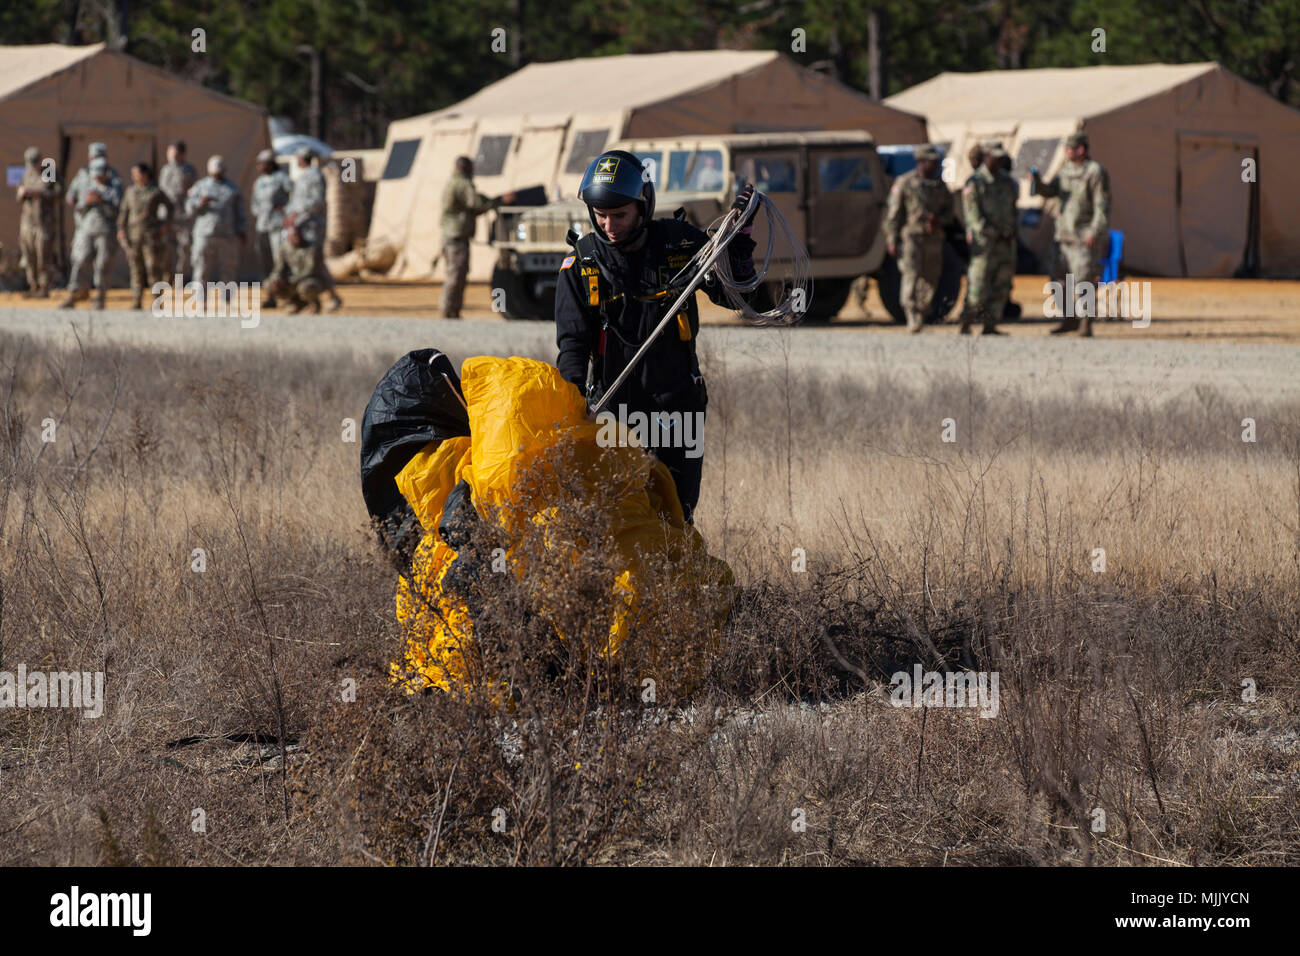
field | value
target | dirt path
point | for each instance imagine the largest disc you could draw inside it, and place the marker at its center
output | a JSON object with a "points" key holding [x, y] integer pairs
{"points": [[1218, 310], [1148, 364]]}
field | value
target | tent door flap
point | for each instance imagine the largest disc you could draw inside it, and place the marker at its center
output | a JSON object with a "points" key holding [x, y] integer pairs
{"points": [[1214, 203]]}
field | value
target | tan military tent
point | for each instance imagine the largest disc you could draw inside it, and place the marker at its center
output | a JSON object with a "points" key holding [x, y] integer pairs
{"points": [[1201, 162], [61, 99], [545, 123]]}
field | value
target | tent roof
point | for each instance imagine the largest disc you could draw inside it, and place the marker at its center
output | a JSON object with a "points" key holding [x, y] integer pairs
{"points": [[21, 66], [1069, 93], [608, 83]]}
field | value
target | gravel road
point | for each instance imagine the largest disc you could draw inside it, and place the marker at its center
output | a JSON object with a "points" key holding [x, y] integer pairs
{"points": [[1097, 369]]}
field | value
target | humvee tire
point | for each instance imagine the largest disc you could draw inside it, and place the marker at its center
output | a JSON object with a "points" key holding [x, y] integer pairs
{"points": [[889, 283], [519, 303], [829, 296]]}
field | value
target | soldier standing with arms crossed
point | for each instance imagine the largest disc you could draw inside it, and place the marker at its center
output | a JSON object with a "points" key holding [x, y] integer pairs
{"points": [[920, 208], [143, 233], [96, 203], [220, 226], [1082, 224], [989, 204], [175, 180], [36, 223]]}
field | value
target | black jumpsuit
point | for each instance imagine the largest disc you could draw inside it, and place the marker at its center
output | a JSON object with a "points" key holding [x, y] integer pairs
{"points": [[667, 379]]}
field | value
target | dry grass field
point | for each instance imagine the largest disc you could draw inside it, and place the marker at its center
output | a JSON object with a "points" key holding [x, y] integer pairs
{"points": [[1126, 732]]}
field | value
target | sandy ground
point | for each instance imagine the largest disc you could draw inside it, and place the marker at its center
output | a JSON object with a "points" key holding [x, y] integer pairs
{"points": [[1241, 338], [1215, 309]]}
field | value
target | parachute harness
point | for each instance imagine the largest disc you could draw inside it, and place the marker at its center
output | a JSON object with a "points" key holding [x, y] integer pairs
{"points": [[794, 291]]}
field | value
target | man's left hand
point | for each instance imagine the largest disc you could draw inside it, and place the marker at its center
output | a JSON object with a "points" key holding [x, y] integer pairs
{"points": [[743, 199]]}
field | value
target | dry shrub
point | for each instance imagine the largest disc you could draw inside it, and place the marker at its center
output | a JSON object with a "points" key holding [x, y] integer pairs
{"points": [[257, 692]]}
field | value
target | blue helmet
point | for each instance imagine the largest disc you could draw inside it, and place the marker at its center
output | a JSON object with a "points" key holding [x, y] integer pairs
{"points": [[613, 179]]}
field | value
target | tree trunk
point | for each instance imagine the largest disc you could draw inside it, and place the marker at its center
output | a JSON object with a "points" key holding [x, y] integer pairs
{"points": [[71, 13], [876, 53], [316, 118]]}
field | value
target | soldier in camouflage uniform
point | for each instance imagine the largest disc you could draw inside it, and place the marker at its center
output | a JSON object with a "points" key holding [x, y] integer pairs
{"points": [[920, 208], [299, 272], [142, 230], [989, 205], [97, 204], [37, 223], [462, 204], [271, 194], [175, 180], [306, 212], [220, 226], [1082, 223], [79, 182]]}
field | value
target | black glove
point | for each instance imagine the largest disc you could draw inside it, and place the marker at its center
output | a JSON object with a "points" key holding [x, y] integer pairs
{"points": [[743, 199]]}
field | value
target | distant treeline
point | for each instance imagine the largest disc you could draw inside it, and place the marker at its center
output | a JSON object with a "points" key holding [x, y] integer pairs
{"points": [[342, 69]]}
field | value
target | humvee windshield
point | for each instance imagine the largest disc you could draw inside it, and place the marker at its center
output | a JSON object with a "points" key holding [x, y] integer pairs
{"points": [[650, 161], [770, 174], [836, 173], [696, 170]]}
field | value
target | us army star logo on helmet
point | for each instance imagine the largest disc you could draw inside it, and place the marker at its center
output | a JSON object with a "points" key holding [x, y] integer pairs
{"points": [[606, 170]]}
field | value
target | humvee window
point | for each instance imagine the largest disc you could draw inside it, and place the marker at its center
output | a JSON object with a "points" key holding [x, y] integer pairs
{"points": [[587, 145], [841, 173], [401, 158], [491, 158], [1035, 152], [650, 162], [771, 175], [698, 169]]}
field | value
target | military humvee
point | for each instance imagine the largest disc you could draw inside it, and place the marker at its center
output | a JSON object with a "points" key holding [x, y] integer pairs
{"points": [[830, 186]]}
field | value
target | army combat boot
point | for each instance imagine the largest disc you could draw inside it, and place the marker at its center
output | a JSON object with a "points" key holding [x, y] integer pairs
{"points": [[137, 298], [99, 298], [74, 296]]}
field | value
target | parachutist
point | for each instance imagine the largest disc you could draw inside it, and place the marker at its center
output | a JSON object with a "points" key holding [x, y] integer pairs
{"points": [[610, 298]]}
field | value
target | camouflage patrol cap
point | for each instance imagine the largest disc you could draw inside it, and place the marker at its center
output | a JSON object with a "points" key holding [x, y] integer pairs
{"points": [[1077, 139], [31, 154], [997, 152], [927, 151], [98, 166], [266, 156], [216, 164], [98, 149]]}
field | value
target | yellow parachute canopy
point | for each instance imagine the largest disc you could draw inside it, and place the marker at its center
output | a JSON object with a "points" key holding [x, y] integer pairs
{"points": [[531, 453]]}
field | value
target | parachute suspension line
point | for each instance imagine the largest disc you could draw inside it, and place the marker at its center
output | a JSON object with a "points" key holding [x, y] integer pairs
{"points": [[452, 388], [792, 296], [795, 292]]}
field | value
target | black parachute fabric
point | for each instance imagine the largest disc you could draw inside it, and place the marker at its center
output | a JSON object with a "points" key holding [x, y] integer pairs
{"points": [[416, 402]]}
